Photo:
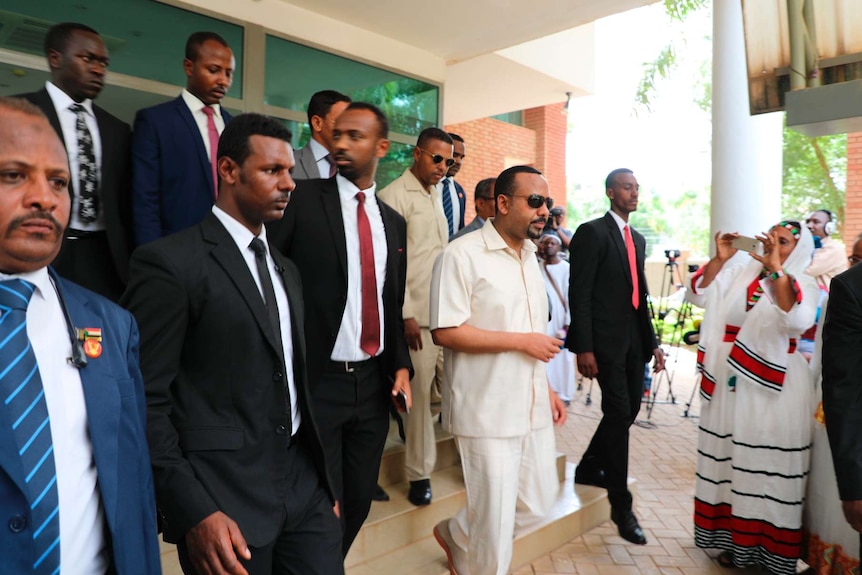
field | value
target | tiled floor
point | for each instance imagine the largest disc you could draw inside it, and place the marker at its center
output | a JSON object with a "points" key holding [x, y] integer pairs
{"points": [[662, 459]]}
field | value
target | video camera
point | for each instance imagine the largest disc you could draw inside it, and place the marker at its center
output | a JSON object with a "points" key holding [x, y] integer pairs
{"points": [[671, 255]]}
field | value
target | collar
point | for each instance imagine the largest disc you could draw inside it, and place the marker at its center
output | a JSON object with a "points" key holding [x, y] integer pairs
{"points": [[62, 100], [241, 235], [621, 223], [317, 149], [494, 241], [38, 278], [412, 183], [196, 105], [347, 190]]}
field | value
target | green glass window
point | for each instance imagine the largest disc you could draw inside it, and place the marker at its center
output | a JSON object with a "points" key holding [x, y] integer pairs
{"points": [[294, 72], [145, 39]]}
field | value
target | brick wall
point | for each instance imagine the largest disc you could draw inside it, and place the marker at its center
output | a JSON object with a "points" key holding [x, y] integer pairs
{"points": [[853, 196], [493, 146]]}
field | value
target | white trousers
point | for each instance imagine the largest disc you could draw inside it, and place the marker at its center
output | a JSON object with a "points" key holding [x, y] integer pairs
{"points": [[511, 481]]}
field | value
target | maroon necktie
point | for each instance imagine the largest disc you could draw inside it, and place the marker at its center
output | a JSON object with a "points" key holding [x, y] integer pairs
{"points": [[332, 167], [633, 270], [369, 339], [213, 136]]}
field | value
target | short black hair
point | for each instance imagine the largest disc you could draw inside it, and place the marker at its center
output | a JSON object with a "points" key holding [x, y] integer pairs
{"points": [[432, 133], [321, 102], [456, 137], [378, 113], [197, 39], [506, 185], [57, 37], [233, 142], [483, 187], [609, 181]]}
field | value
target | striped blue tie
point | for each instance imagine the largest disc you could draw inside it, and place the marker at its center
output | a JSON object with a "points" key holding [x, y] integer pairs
{"points": [[25, 410], [447, 206]]}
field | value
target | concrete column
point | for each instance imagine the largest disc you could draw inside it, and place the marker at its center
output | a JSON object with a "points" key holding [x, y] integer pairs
{"points": [[746, 150]]}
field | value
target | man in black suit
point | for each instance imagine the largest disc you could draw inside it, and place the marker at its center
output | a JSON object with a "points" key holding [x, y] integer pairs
{"points": [[354, 289], [96, 251], [842, 386], [612, 335], [239, 469]]}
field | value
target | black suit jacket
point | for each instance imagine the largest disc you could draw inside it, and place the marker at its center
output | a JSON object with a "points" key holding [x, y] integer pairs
{"points": [[462, 202], [216, 401], [115, 183], [842, 380], [311, 233], [600, 291]]}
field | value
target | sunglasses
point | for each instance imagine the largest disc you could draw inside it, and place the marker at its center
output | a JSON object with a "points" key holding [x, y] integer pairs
{"points": [[437, 158], [535, 201]]}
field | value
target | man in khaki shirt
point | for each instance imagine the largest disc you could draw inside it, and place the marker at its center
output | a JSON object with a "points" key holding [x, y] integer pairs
{"points": [[489, 311], [415, 197]]}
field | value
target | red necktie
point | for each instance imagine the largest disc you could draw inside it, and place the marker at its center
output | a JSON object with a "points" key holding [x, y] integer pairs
{"points": [[633, 270], [332, 167], [213, 136], [369, 339]]}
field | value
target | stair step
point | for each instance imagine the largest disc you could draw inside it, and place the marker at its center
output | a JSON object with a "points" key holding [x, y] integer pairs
{"points": [[577, 510], [392, 469], [397, 522]]}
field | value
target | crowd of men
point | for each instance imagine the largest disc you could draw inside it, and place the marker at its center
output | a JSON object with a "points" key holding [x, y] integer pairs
{"points": [[285, 306]]}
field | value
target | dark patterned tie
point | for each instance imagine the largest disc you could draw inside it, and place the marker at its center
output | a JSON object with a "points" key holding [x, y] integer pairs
{"points": [[333, 167], [25, 410], [88, 182], [447, 206]]}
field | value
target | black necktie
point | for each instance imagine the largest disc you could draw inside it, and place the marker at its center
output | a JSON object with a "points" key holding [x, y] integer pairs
{"points": [[266, 283], [88, 201], [259, 250]]}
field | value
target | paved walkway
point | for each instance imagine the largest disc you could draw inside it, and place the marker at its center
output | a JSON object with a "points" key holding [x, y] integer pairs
{"points": [[662, 459]]}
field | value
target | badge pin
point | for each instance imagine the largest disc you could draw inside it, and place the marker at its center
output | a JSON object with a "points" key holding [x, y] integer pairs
{"points": [[92, 338]]}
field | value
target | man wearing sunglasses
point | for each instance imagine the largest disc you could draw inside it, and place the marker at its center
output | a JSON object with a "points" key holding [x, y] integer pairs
{"points": [[414, 195], [612, 335], [489, 311], [452, 196]]}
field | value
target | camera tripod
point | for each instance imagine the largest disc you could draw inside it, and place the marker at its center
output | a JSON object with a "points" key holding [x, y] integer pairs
{"points": [[675, 317]]}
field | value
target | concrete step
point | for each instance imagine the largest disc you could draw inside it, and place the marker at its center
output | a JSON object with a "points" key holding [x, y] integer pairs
{"points": [[577, 510]]}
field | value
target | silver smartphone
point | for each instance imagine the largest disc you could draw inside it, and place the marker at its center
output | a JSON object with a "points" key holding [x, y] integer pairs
{"points": [[747, 244]]}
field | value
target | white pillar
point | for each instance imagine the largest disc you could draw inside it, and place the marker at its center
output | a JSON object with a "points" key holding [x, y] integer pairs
{"points": [[746, 150]]}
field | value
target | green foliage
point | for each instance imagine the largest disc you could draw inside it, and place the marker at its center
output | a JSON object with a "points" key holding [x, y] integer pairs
{"points": [[661, 67], [674, 322], [679, 10], [815, 173]]}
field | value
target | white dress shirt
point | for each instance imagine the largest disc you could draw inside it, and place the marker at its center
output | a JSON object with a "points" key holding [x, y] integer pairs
{"points": [[68, 125], [83, 546], [621, 224], [320, 153], [347, 342], [196, 107], [242, 236], [456, 204]]}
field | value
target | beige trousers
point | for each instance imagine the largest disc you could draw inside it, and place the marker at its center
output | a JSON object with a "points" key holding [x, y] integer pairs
{"points": [[511, 482], [421, 451]]}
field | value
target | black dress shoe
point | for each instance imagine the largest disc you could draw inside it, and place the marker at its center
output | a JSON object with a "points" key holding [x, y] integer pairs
{"points": [[629, 528], [380, 494], [420, 492], [590, 476]]}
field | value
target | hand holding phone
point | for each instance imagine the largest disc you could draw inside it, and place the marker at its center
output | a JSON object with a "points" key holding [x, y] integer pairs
{"points": [[747, 244], [401, 402]]}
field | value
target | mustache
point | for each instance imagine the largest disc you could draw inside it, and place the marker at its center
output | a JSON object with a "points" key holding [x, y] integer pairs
{"points": [[542, 220], [342, 156], [45, 216]]}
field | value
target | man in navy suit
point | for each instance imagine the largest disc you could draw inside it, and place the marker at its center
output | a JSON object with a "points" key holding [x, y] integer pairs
{"points": [[453, 206], [174, 145], [612, 335], [74, 371], [98, 242]]}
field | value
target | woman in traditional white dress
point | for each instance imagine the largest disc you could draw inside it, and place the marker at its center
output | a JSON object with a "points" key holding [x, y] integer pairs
{"points": [[555, 271], [757, 399]]}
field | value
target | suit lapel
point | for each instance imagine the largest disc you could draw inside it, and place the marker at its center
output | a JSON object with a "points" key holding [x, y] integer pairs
{"points": [[308, 163], [102, 399], [192, 126], [227, 255], [392, 246], [331, 201], [617, 241]]}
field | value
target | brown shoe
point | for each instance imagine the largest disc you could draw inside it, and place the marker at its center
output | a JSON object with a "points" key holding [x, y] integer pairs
{"points": [[454, 555]]}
